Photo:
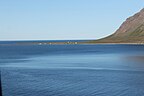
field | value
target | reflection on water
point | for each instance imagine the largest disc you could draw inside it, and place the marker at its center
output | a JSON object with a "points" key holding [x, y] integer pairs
{"points": [[136, 58], [72, 70]]}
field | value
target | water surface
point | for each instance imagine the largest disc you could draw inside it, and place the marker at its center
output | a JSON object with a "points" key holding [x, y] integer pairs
{"points": [[72, 70]]}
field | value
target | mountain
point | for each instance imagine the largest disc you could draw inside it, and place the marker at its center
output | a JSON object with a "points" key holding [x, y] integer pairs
{"points": [[131, 31]]}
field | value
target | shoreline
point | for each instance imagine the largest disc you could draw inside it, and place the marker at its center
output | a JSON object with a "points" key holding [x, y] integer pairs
{"points": [[69, 43]]}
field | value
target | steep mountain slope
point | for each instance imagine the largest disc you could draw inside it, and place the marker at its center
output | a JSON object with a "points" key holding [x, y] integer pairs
{"points": [[131, 31]]}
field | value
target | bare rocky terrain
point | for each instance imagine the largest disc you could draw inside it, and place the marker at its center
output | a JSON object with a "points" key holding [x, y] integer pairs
{"points": [[131, 31]]}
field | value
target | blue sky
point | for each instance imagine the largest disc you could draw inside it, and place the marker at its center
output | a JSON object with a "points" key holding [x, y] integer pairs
{"points": [[63, 19]]}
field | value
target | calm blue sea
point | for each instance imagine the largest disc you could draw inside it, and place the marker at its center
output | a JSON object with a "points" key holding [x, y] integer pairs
{"points": [[72, 70]]}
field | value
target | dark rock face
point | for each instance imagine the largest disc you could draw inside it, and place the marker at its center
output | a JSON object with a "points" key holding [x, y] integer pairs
{"points": [[131, 31]]}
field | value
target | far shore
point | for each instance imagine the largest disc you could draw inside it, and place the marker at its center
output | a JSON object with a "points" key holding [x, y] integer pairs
{"points": [[70, 43]]}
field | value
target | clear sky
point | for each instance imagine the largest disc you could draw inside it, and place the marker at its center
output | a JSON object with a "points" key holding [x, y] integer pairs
{"points": [[63, 19]]}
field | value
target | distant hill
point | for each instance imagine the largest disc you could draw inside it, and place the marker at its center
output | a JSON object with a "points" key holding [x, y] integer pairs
{"points": [[131, 31]]}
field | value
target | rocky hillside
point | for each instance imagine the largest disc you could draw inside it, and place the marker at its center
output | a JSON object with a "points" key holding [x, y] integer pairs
{"points": [[131, 31]]}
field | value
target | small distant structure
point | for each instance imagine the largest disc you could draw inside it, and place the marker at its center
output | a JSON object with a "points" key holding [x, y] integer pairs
{"points": [[68, 42], [40, 44], [76, 43]]}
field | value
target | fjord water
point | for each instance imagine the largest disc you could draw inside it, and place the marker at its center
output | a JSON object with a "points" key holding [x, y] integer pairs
{"points": [[72, 70]]}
